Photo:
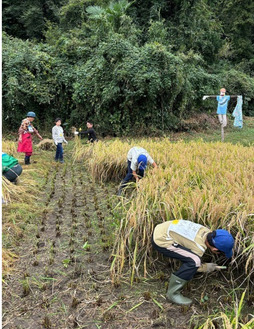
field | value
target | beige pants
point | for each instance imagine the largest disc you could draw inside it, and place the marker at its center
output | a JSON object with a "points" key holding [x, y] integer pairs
{"points": [[223, 119]]}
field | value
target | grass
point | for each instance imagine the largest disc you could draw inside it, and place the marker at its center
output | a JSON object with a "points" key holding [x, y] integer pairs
{"points": [[244, 136], [229, 320], [22, 206]]}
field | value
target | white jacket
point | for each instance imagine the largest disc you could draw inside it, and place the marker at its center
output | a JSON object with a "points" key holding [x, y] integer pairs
{"points": [[58, 134]]}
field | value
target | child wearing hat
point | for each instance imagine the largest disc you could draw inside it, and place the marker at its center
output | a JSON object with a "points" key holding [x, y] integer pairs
{"points": [[26, 131], [137, 159]]}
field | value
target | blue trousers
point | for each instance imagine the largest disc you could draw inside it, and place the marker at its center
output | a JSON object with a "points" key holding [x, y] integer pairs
{"points": [[59, 152], [186, 256], [129, 175]]}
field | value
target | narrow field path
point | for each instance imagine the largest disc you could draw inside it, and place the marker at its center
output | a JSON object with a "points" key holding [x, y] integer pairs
{"points": [[62, 278]]}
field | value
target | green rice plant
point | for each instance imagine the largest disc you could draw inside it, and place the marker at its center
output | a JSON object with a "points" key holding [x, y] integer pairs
{"points": [[229, 320]]}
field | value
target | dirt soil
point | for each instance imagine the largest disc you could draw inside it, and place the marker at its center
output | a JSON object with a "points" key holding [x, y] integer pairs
{"points": [[62, 278]]}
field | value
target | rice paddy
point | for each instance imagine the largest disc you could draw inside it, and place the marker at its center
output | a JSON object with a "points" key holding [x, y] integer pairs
{"points": [[77, 256]]}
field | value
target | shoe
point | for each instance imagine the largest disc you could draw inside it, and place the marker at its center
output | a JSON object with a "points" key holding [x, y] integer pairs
{"points": [[173, 293], [27, 160], [61, 161]]}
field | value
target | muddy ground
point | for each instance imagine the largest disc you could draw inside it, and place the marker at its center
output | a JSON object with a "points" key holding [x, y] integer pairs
{"points": [[62, 278]]}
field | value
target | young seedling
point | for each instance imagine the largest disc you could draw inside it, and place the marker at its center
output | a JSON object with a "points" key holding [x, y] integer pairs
{"points": [[51, 260], [86, 246], [88, 225], [66, 262], [35, 263], [46, 323], [75, 302], [26, 287]]}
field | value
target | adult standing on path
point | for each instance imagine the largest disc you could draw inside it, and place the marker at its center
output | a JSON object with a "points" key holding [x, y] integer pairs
{"points": [[137, 159], [26, 131], [187, 242]]}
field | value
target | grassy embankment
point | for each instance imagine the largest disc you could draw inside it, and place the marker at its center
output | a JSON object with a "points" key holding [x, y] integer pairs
{"points": [[22, 206]]}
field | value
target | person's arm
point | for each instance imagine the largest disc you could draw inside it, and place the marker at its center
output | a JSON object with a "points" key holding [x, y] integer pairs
{"points": [[54, 134], [37, 133], [64, 139], [151, 161], [20, 132], [134, 168], [85, 132], [135, 175]]}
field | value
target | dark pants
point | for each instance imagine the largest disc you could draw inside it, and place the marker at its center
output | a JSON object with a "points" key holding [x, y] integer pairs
{"points": [[59, 152], [190, 261], [13, 173], [27, 157], [129, 175]]}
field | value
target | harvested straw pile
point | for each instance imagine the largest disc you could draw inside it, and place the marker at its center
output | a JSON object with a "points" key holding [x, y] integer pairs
{"points": [[46, 145], [209, 183], [20, 203], [9, 147]]}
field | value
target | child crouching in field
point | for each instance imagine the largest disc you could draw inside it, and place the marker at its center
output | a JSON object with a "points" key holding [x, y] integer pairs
{"points": [[58, 137]]}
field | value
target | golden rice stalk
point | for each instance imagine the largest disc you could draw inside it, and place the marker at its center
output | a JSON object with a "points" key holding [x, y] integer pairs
{"points": [[9, 147], [209, 183]]}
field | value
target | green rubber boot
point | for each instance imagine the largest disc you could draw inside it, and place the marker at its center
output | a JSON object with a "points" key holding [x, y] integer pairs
{"points": [[173, 293]]}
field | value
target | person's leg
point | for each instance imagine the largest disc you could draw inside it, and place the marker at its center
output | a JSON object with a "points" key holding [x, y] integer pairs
{"points": [[60, 152], [27, 158], [190, 264], [190, 261], [57, 153], [127, 178]]}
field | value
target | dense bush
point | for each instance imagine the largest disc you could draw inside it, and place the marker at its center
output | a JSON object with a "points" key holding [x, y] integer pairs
{"points": [[128, 66]]}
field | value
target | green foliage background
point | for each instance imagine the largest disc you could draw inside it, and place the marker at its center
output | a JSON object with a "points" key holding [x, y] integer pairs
{"points": [[132, 67]]}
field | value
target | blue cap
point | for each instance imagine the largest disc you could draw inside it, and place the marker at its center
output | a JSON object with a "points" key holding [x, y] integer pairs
{"points": [[142, 162], [31, 114], [224, 242]]}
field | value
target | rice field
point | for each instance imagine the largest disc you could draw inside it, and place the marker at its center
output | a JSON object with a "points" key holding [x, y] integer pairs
{"points": [[71, 246], [209, 183]]}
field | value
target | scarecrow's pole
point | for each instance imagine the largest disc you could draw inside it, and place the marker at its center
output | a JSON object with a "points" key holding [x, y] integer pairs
{"points": [[222, 133]]}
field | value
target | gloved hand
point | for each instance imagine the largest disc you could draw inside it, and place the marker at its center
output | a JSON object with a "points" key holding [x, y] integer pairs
{"points": [[76, 132], [207, 267], [205, 97], [66, 142], [56, 143], [210, 267]]}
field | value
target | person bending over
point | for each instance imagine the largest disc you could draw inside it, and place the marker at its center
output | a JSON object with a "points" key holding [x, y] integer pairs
{"points": [[187, 242]]}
